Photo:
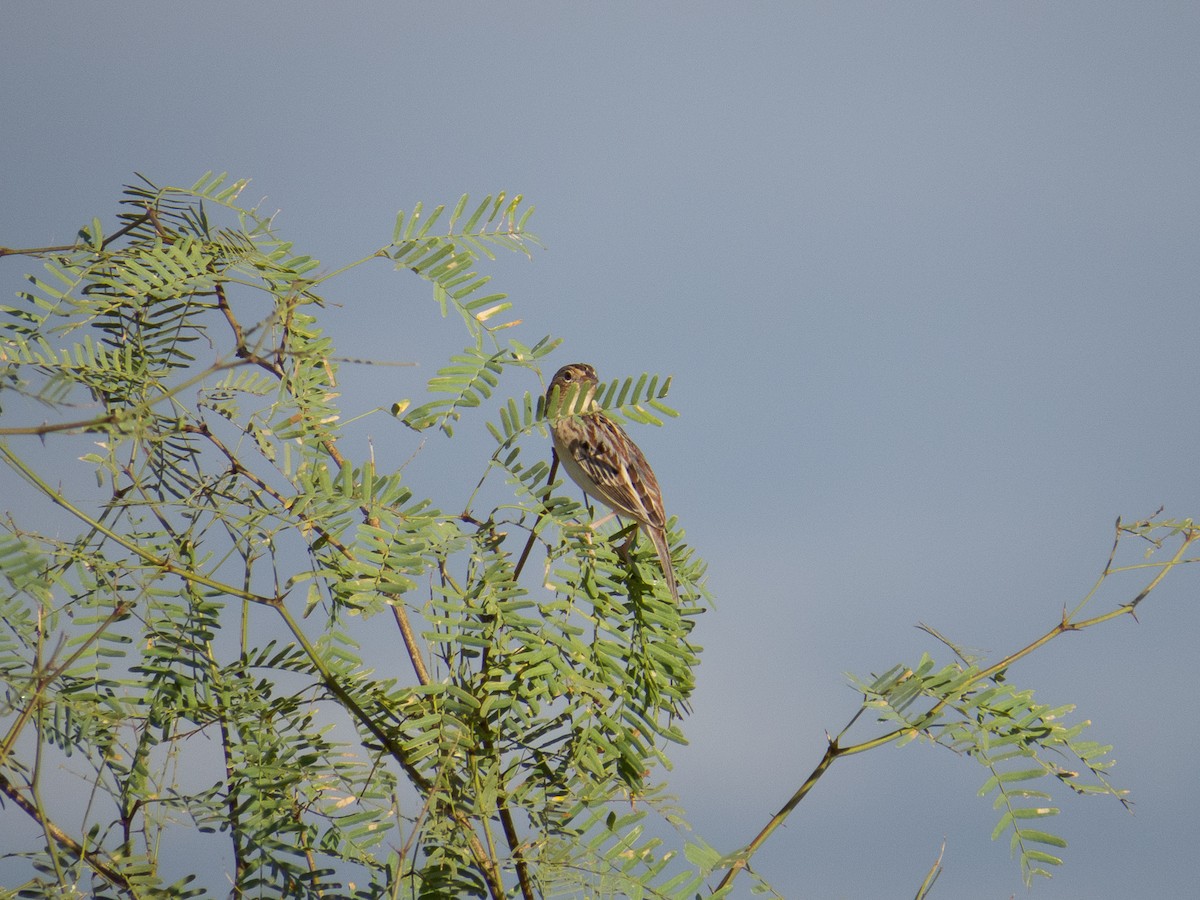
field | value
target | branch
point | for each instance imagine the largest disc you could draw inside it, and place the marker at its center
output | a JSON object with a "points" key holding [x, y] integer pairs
{"points": [[67, 248], [165, 565], [64, 840], [834, 750], [40, 683], [486, 865], [117, 416]]}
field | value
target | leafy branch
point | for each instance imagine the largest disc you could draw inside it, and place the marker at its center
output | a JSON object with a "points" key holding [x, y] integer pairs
{"points": [[973, 710], [227, 487]]}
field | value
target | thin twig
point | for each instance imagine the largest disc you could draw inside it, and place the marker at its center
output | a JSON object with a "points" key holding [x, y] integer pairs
{"points": [[537, 521], [511, 837], [410, 643], [388, 740], [61, 838], [66, 248]]}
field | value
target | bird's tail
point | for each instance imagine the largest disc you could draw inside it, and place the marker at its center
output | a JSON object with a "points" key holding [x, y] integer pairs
{"points": [[659, 537]]}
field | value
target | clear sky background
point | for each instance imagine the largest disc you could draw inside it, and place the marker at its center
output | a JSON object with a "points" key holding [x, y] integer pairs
{"points": [[925, 276]]}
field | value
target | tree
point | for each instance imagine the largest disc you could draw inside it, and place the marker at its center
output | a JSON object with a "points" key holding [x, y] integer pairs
{"points": [[201, 649]]}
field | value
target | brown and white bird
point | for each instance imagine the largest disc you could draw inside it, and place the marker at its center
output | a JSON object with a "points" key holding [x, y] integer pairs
{"points": [[600, 458]]}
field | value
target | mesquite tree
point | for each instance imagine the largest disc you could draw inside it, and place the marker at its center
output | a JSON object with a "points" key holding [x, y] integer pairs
{"points": [[252, 654]]}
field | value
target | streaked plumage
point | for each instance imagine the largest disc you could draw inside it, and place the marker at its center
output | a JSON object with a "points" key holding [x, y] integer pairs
{"points": [[600, 458]]}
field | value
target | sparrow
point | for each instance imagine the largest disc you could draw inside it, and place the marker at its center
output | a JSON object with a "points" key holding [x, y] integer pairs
{"points": [[602, 459]]}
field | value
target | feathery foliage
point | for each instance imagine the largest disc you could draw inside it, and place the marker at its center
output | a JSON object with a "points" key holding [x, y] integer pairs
{"points": [[199, 641], [237, 649]]}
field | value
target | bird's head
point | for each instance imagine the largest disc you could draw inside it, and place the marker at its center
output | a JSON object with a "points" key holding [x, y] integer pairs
{"points": [[572, 389]]}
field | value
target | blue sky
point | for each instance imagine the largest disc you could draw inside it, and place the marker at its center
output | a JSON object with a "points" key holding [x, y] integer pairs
{"points": [[926, 279]]}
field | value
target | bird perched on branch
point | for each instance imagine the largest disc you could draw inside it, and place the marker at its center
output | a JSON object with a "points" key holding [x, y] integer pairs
{"points": [[602, 459]]}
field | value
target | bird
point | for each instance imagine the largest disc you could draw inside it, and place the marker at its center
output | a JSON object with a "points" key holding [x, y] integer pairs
{"points": [[602, 459]]}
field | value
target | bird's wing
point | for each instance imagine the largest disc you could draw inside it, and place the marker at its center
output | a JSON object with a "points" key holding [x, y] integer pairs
{"points": [[616, 466]]}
